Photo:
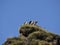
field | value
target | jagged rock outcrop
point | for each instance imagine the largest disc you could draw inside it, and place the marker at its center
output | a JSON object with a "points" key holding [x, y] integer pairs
{"points": [[32, 34]]}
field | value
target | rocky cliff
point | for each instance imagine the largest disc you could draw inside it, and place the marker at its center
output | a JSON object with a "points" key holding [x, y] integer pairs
{"points": [[32, 34]]}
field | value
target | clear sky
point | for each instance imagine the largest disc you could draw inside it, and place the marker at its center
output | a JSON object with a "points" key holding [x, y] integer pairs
{"points": [[13, 13]]}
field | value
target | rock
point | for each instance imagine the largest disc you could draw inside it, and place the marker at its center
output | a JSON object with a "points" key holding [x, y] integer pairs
{"points": [[32, 34]]}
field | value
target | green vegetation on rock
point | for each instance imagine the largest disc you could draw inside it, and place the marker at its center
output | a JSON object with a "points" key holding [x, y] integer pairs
{"points": [[31, 34]]}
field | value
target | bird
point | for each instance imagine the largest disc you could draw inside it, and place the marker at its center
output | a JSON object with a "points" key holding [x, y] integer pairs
{"points": [[25, 23], [33, 22]]}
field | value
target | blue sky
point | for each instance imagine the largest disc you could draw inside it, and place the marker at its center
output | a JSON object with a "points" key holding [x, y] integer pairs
{"points": [[13, 13]]}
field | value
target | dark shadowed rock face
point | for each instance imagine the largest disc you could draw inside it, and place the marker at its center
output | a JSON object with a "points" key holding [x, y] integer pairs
{"points": [[33, 35]]}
